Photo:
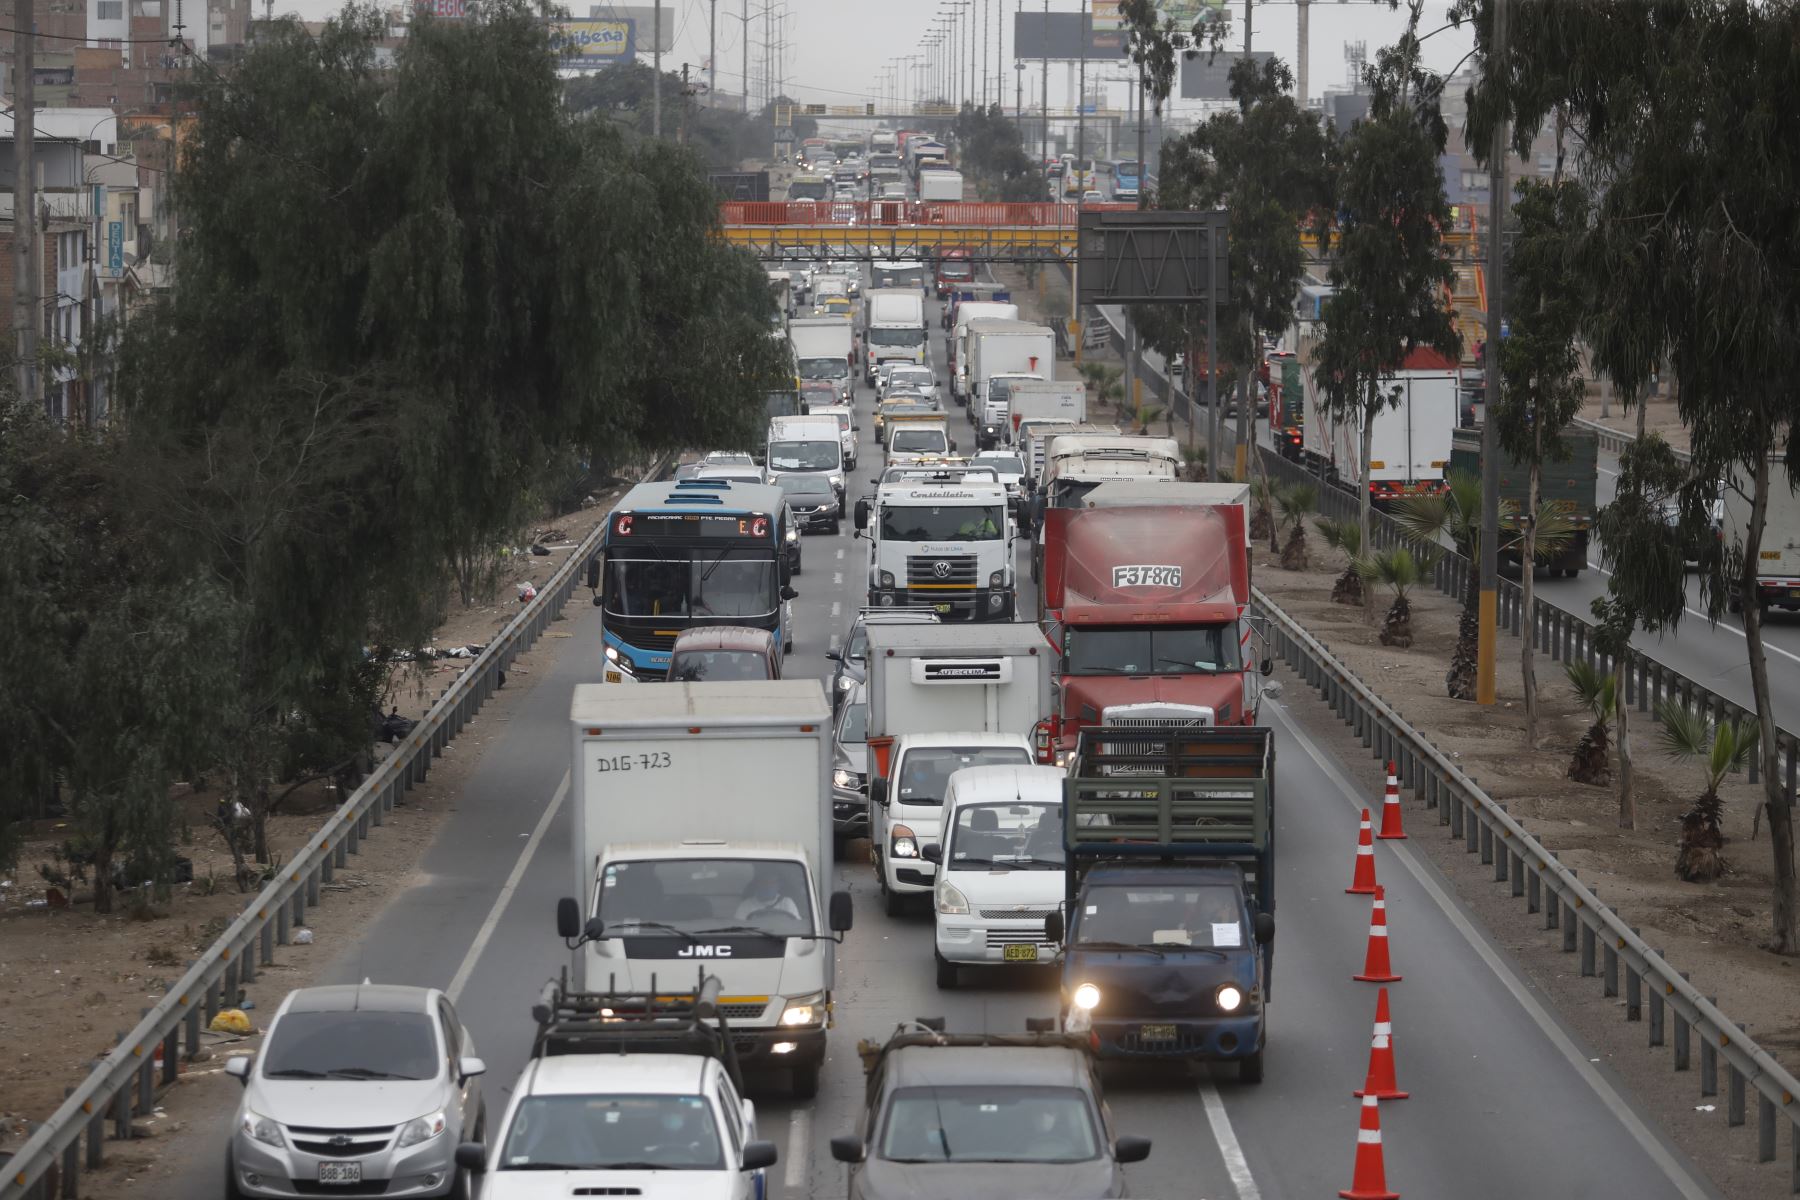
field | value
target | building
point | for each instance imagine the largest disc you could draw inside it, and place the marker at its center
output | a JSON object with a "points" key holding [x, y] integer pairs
{"points": [[1465, 180]]}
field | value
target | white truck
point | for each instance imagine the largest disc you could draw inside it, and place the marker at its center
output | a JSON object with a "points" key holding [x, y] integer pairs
{"points": [[1004, 348], [823, 349], [1076, 463], [945, 544], [893, 329], [940, 185], [1062, 400], [1778, 556], [912, 437], [942, 698], [701, 833], [1409, 442], [957, 340]]}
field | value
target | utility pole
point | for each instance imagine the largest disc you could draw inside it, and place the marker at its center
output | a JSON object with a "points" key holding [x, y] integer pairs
{"points": [[686, 91], [746, 57], [1303, 7], [1081, 109], [712, 55], [1246, 428], [1490, 440], [1046, 81], [26, 281], [656, 75]]}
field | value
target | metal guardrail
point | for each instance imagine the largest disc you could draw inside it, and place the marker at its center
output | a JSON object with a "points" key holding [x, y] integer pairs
{"points": [[1616, 440], [124, 1083], [1606, 945]]}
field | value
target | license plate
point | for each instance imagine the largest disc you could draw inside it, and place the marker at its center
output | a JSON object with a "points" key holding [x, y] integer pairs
{"points": [[1794, 593], [943, 608], [1019, 954], [340, 1172], [612, 677], [1157, 1033]]}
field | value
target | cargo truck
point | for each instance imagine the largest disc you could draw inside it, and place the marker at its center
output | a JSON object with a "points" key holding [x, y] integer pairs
{"points": [[1168, 928], [701, 834], [824, 348], [912, 436], [1409, 442], [968, 312], [940, 185], [1145, 597], [1003, 348], [1287, 403], [1062, 400], [1778, 556], [1076, 463], [944, 542], [893, 329], [941, 698], [1568, 482]]}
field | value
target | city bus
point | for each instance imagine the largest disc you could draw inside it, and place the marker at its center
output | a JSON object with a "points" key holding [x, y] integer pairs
{"points": [[690, 553]]}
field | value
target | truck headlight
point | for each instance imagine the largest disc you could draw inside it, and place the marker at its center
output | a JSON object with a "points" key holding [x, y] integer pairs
{"points": [[950, 900], [263, 1130], [1087, 996], [1230, 999], [422, 1130], [997, 579], [886, 579], [841, 778], [903, 844], [805, 1010]]}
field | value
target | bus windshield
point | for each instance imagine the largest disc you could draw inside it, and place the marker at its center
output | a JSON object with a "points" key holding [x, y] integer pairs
{"points": [[732, 582]]}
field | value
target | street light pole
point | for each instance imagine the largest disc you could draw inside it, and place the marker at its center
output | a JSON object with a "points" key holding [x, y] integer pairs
{"points": [[1489, 608], [656, 75]]}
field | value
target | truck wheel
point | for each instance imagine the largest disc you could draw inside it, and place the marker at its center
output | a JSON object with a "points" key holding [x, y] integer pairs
{"points": [[946, 973], [837, 526], [1733, 603], [892, 903], [1250, 1070], [804, 1081]]}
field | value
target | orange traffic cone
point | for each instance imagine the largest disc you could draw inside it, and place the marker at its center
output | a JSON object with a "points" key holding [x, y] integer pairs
{"points": [[1370, 1179], [1390, 808], [1362, 883], [1376, 967], [1381, 1083]]}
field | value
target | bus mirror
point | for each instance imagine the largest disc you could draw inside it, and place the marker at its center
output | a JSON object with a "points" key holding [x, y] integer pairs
{"points": [[593, 573]]}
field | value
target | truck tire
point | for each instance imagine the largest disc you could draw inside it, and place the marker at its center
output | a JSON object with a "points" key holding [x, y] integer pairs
{"points": [[946, 973], [804, 1081], [1250, 1070], [892, 903]]}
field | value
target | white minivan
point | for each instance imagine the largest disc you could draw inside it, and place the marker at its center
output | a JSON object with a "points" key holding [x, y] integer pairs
{"points": [[807, 445], [1000, 864], [847, 428]]}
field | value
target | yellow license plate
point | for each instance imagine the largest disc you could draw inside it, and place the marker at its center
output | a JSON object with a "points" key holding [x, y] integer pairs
{"points": [[1019, 954], [1157, 1033], [612, 677]]}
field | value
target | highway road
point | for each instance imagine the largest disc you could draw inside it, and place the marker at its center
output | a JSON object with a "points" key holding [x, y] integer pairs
{"points": [[1505, 1100]]}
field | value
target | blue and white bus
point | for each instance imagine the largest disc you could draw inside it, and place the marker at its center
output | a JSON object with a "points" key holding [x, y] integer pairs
{"points": [[685, 554]]}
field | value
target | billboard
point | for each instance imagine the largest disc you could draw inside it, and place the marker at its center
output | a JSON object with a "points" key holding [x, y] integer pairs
{"points": [[645, 16], [593, 43], [1061, 37], [1106, 16], [1208, 76]]}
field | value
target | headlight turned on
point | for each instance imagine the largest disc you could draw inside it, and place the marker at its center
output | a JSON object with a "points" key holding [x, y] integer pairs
{"points": [[1086, 996], [844, 779], [804, 1010], [1229, 998]]}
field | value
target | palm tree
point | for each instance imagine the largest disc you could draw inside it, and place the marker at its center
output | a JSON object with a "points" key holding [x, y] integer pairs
{"points": [[1103, 382], [1345, 536], [1262, 511], [1596, 691], [1721, 748], [1399, 570], [1294, 503]]}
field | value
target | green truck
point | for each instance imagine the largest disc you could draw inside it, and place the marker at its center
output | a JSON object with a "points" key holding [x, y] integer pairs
{"points": [[1568, 480]]}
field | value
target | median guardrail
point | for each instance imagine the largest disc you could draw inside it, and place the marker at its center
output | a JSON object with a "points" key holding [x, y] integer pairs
{"points": [[123, 1085], [1606, 945]]}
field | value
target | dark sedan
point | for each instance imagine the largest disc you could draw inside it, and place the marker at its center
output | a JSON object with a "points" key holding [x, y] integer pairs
{"points": [[813, 500]]}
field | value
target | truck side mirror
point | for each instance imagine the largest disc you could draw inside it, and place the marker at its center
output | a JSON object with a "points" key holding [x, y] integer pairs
{"points": [[788, 593], [1130, 1149], [878, 791], [1265, 928], [841, 913], [1053, 928], [932, 852], [862, 513], [758, 1156], [568, 918], [953, 445], [594, 930], [847, 1148], [834, 656]]}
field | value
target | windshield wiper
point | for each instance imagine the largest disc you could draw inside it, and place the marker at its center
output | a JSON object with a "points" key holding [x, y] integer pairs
{"points": [[1129, 946], [365, 1073], [741, 929], [548, 1166], [663, 926], [294, 1073], [1183, 946], [644, 1166], [1187, 667]]}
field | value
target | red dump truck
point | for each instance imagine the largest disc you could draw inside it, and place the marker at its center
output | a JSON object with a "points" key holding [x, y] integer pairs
{"points": [[1146, 591]]}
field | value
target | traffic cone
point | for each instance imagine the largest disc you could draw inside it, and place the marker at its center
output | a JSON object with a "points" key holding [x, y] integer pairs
{"points": [[1391, 827], [1369, 1182], [1381, 1083], [1376, 967], [1363, 882]]}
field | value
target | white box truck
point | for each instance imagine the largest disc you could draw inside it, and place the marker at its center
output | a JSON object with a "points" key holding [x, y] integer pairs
{"points": [[940, 185], [823, 349], [966, 312], [1005, 348], [1778, 557], [893, 328], [701, 834], [1052, 400], [957, 697], [945, 543], [1409, 448]]}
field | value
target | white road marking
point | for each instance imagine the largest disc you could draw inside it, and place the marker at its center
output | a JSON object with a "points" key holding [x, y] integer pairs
{"points": [[837, 608], [1552, 1031], [454, 991], [1235, 1163], [1728, 628], [837, 578], [799, 1148], [840, 553]]}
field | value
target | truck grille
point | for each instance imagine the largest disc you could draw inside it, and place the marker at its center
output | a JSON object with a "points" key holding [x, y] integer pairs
{"points": [[1007, 914], [955, 584], [1015, 937], [1149, 716], [743, 1012]]}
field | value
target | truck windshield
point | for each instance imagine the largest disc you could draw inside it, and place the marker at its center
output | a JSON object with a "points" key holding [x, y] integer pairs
{"points": [[710, 666], [896, 336], [927, 769], [984, 1123], [897, 277], [805, 456], [824, 368], [1183, 650], [1069, 493], [918, 441], [597, 1133], [701, 895], [1209, 916], [960, 523], [1023, 837], [712, 584], [783, 404], [809, 189]]}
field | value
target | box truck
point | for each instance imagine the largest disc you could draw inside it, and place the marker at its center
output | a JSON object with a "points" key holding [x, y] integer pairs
{"points": [[823, 349], [940, 185], [1005, 348], [893, 329], [1778, 555], [1409, 445], [968, 311]]}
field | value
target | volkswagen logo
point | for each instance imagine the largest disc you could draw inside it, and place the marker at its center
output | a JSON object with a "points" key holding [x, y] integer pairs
{"points": [[941, 569]]}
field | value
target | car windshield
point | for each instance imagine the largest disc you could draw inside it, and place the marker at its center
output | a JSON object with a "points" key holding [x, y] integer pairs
{"points": [[1006, 464], [597, 1133], [853, 727], [353, 1045], [804, 485], [1206, 917], [926, 770], [701, 895], [710, 666], [943, 523], [916, 377], [713, 584], [918, 441], [1190, 650], [983, 1123], [805, 456], [893, 336], [824, 368], [902, 277], [1019, 836]]}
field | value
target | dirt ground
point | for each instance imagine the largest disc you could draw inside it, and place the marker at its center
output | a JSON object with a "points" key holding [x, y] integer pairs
{"points": [[1659, 416], [1715, 931], [75, 982]]}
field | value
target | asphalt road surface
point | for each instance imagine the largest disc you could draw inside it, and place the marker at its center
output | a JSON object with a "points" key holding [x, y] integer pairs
{"points": [[1505, 1103]]}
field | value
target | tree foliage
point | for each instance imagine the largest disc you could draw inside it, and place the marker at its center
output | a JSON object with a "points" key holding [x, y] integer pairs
{"points": [[721, 137], [992, 154]]}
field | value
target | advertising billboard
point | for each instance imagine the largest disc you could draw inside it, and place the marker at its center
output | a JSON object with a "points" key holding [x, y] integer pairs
{"points": [[1207, 76], [645, 16], [1060, 37], [593, 42]]}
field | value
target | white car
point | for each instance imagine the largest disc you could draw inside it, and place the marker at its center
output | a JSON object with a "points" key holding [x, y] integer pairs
{"points": [[1011, 469], [912, 377], [624, 1125], [1000, 868]]}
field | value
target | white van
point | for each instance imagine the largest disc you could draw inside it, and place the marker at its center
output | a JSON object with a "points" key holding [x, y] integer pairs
{"points": [[1000, 867], [806, 445], [847, 428]]}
